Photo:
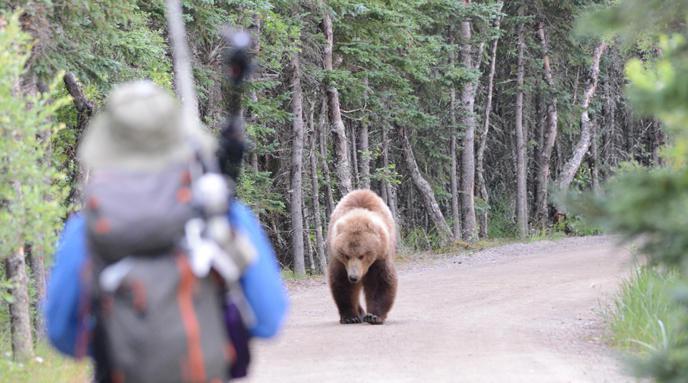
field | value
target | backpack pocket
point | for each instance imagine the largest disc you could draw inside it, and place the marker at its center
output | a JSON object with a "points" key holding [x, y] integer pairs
{"points": [[164, 324]]}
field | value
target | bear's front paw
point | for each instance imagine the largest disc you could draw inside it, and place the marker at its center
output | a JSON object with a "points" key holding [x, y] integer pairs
{"points": [[373, 319], [350, 320]]}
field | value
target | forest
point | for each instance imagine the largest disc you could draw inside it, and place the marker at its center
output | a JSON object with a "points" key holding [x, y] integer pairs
{"points": [[469, 118]]}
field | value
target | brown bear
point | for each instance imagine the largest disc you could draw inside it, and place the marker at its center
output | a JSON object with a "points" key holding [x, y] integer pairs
{"points": [[361, 244]]}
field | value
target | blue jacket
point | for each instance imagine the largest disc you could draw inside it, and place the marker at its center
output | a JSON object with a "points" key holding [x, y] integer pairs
{"points": [[65, 318]]}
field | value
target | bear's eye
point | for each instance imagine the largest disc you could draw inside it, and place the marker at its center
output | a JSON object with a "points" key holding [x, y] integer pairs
{"points": [[347, 256], [360, 257]]}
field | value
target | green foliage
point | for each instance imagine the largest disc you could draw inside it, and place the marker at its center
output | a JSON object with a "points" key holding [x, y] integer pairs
{"points": [[651, 204], [388, 174], [255, 189], [635, 21], [5, 296], [30, 195], [102, 44], [502, 224]]}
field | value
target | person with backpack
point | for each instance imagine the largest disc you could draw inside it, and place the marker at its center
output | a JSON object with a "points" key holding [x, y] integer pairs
{"points": [[162, 277]]}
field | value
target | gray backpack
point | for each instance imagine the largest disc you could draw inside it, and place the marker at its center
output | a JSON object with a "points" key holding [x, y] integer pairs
{"points": [[156, 321]]}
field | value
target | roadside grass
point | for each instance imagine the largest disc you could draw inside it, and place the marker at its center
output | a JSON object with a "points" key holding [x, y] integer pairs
{"points": [[290, 275], [644, 316], [546, 235], [47, 367]]}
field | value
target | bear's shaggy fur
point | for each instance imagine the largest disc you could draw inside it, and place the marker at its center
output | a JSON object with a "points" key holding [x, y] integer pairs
{"points": [[361, 245]]}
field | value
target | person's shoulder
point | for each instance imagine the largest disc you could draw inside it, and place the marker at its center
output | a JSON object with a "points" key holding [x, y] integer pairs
{"points": [[75, 219], [242, 215], [242, 209], [74, 226]]}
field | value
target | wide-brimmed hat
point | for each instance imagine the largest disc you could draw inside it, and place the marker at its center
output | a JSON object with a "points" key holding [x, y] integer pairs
{"points": [[140, 128]]}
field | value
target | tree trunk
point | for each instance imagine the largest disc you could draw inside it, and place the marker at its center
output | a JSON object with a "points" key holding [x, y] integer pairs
{"points": [[383, 192], [253, 94], [521, 192], [394, 207], [575, 87], [480, 158], [181, 62], [364, 158], [595, 159], [84, 110], [468, 154], [425, 190], [385, 186], [20, 308], [37, 265], [657, 143], [608, 146], [297, 169], [342, 166], [354, 155], [550, 136], [388, 188], [307, 238], [456, 214], [322, 135], [571, 167], [317, 221]]}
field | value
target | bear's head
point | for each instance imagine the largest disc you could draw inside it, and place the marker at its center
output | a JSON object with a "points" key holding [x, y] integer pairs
{"points": [[360, 239]]}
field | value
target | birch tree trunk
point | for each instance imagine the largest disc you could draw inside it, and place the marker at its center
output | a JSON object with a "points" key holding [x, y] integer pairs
{"points": [[595, 158], [456, 214], [181, 62], [657, 143], [573, 164], [322, 136], [550, 135], [364, 158], [342, 167], [20, 308], [388, 188], [307, 238], [425, 190], [468, 154], [354, 156], [296, 204], [385, 164], [84, 110], [317, 220], [253, 94], [575, 87], [521, 174], [608, 147], [38, 271], [480, 157]]}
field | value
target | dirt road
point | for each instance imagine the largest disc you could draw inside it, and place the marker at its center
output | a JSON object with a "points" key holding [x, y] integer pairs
{"points": [[518, 313]]}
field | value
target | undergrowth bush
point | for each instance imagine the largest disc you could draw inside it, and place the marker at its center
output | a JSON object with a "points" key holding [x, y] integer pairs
{"points": [[501, 215], [419, 239]]}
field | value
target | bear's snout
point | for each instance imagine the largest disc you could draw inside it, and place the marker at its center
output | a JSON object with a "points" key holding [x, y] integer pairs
{"points": [[354, 278]]}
